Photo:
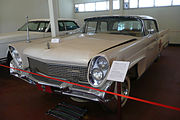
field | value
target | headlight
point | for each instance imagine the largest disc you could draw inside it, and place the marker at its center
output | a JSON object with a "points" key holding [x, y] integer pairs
{"points": [[102, 63], [16, 56], [97, 74], [98, 70]]}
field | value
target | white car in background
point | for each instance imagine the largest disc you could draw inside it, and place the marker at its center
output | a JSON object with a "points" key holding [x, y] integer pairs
{"points": [[38, 28]]}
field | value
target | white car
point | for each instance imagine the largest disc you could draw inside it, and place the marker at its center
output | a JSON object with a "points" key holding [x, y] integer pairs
{"points": [[38, 28], [86, 58]]}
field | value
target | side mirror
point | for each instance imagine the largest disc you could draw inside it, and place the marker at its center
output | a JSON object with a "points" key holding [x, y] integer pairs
{"points": [[151, 31]]}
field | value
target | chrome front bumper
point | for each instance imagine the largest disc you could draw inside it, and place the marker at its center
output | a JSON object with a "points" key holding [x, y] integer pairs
{"points": [[65, 88]]}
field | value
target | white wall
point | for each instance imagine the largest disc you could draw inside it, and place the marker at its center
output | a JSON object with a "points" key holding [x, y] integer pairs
{"points": [[66, 8], [13, 12], [82, 1], [168, 17]]}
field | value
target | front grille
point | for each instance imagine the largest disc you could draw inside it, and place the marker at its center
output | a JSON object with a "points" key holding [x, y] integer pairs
{"points": [[76, 74]]}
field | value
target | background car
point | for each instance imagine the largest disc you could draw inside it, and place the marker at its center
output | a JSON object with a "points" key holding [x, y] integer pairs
{"points": [[38, 28]]}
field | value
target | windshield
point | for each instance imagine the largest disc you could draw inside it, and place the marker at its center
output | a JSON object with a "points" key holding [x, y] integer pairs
{"points": [[36, 26], [125, 26]]}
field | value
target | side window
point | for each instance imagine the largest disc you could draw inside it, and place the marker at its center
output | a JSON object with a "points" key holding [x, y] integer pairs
{"points": [[70, 25], [115, 26], [121, 26], [61, 26], [33, 26], [46, 24], [150, 27], [37, 26], [153, 26], [42, 27]]}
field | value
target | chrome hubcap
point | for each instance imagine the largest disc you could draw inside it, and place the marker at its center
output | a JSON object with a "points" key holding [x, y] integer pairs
{"points": [[125, 90]]}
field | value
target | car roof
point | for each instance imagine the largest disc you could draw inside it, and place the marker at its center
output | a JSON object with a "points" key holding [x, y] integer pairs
{"points": [[120, 16], [63, 19]]}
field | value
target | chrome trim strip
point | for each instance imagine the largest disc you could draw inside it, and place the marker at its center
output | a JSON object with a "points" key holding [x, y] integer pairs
{"points": [[128, 41], [3, 60]]}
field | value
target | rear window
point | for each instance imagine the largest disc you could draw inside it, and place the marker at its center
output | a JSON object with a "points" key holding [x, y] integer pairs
{"points": [[36, 26]]}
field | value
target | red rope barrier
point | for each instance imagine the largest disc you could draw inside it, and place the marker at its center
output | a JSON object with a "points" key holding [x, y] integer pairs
{"points": [[108, 92]]}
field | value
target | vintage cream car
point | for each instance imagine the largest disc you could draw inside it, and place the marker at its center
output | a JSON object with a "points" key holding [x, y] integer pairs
{"points": [[38, 28], [86, 58]]}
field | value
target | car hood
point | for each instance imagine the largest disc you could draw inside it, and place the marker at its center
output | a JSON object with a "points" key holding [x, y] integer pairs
{"points": [[18, 36], [77, 49]]}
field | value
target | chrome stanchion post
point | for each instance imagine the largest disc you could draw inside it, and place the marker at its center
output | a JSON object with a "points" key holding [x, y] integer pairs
{"points": [[27, 22]]}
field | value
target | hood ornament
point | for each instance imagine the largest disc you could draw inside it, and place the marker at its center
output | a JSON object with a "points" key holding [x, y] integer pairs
{"points": [[48, 45]]}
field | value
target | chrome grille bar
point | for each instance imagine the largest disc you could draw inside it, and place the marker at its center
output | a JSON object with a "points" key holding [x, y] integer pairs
{"points": [[76, 74]]}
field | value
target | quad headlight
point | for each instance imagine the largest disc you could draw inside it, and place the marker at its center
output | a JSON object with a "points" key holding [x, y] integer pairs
{"points": [[102, 63], [97, 74], [15, 55], [98, 70]]}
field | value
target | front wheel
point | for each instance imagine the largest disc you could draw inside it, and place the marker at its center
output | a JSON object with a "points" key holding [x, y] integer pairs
{"points": [[112, 105], [125, 90]]}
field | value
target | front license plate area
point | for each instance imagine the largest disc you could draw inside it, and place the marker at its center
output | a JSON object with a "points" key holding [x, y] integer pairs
{"points": [[44, 88]]}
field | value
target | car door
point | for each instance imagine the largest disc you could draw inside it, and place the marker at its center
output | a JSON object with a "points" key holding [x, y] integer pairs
{"points": [[151, 32], [163, 39]]}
